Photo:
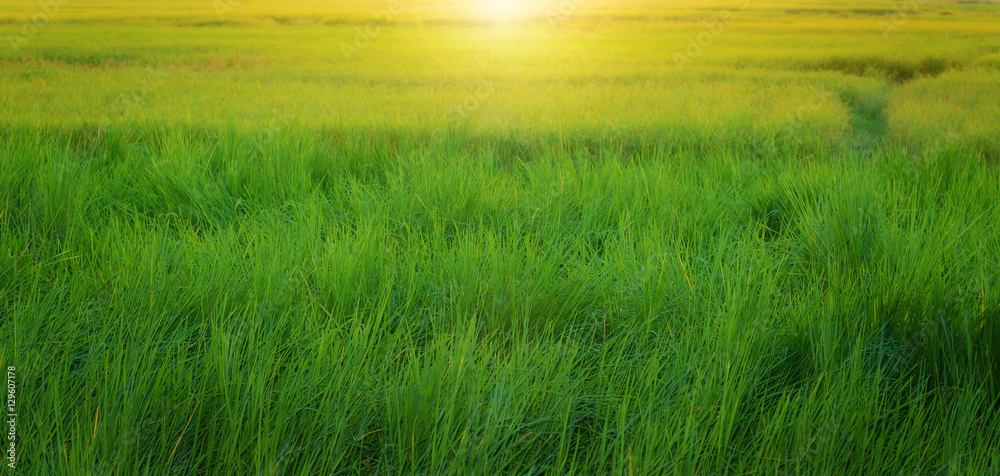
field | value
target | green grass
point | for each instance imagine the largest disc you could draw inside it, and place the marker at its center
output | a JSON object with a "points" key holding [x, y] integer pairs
{"points": [[535, 248]]}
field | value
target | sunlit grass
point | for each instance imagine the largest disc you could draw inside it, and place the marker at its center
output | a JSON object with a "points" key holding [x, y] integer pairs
{"points": [[230, 246]]}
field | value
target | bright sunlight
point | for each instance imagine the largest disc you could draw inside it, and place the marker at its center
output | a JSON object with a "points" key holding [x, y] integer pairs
{"points": [[504, 10]]}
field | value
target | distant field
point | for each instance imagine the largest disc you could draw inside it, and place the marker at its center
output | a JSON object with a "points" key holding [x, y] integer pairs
{"points": [[606, 237]]}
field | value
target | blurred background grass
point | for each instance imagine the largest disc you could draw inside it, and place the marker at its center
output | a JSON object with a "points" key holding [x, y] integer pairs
{"points": [[764, 77]]}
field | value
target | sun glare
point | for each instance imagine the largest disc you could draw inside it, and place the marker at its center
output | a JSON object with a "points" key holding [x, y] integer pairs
{"points": [[503, 10]]}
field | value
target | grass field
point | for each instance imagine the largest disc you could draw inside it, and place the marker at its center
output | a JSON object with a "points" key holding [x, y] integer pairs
{"points": [[404, 237]]}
